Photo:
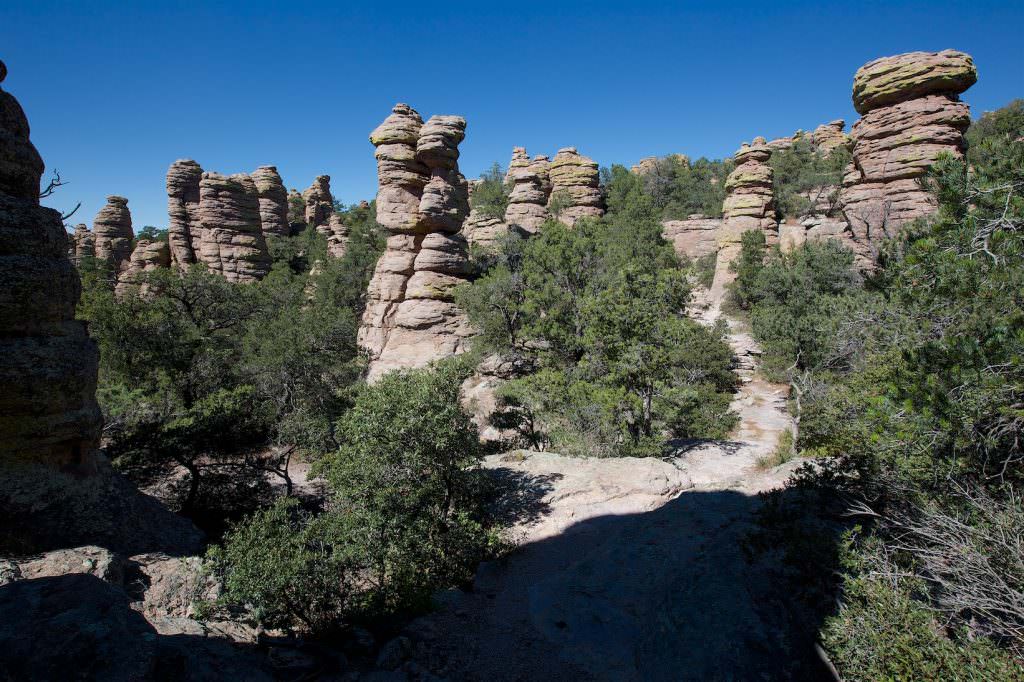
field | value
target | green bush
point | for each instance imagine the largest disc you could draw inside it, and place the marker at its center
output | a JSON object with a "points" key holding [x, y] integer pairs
{"points": [[490, 196], [806, 178]]}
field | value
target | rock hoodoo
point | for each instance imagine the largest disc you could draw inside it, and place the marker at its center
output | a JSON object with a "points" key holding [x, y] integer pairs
{"points": [[82, 244], [422, 200], [147, 256], [911, 113], [319, 201], [748, 205], [184, 231], [48, 364], [531, 190], [112, 233], [273, 198], [830, 136], [337, 236], [229, 214], [575, 187]]}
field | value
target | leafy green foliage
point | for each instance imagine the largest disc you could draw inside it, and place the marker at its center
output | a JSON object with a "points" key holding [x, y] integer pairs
{"points": [[153, 234], [490, 196], [679, 188], [597, 310], [806, 178]]}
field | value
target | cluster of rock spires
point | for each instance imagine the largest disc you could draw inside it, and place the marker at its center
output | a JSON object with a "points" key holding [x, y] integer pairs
{"points": [[48, 363], [910, 114], [422, 200]]}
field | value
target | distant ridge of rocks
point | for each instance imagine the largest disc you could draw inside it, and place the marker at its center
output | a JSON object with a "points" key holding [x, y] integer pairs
{"points": [[48, 363], [422, 200]]}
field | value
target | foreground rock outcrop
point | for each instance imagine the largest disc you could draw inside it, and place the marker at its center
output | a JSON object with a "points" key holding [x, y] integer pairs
{"points": [[48, 364], [911, 113], [575, 187], [422, 200], [113, 235], [229, 214], [147, 256]]}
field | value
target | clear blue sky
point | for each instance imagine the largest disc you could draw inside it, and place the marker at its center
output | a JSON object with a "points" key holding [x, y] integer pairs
{"points": [[116, 91]]}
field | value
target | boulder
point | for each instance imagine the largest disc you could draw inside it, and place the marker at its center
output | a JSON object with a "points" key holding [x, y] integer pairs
{"points": [[890, 80], [48, 410]]}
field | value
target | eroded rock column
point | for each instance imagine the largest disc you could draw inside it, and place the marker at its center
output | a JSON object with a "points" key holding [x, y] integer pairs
{"points": [[184, 230], [531, 190], [319, 202], [910, 114], [229, 214], [48, 364], [575, 187], [147, 256], [273, 200], [112, 233], [422, 200]]}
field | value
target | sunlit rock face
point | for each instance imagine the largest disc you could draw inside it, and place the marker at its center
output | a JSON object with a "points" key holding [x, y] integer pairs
{"points": [[147, 257], [48, 364], [530, 190], [113, 235], [319, 202], [229, 215], [273, 200], [911, 113], [423, 201], [575, 187]]}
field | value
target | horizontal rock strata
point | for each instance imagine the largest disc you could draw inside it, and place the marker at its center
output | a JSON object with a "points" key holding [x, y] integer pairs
{"points": [[531, 190], [319, 202], [112, 234], [575, 187], [229, 214], [147, 256], [273, 199], [693, 238]]}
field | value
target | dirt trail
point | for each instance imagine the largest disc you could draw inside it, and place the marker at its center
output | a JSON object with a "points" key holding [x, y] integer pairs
{"points": [[628, 569]]}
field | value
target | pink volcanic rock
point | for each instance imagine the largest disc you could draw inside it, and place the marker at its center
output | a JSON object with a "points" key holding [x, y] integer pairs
{"points": [[273, 199], [184, 231], [112, 233], [229, 213], [531, 190], [575, 183]]}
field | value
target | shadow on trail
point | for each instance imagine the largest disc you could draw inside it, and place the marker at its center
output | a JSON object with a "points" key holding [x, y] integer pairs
{"points": [[678, 593], [681, 446]]}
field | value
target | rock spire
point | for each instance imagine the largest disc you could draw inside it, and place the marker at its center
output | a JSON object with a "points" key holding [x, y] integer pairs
{"points": [[112, 233], [575, 187]]}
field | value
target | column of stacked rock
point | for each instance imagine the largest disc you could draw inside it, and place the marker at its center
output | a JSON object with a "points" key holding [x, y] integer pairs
{"points": [[82, 244], [830, 136], [273, 200], [319, 202], [147, 257], [748, 205], [575, 187], [113, 235], [422, 200], [48, 364], [337, 236], [229, 213], [531, 190], [184, 230], [910, 114]]}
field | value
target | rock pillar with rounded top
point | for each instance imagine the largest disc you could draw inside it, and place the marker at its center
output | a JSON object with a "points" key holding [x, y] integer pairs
{"points": [[422, 200], [113, 235], [48, 364]]}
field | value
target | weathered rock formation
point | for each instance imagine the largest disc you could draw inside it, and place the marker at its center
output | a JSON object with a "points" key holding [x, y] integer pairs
{"points": [[911, 113], [229, 215], [575, 187], [318, 201], [184, 231], [48, 364], [82, 244], [273, 200], [695, 237], [748, 205], [147, 256], [422, 200], [112, 233], [649, 164], [830, 136], [531, 190], [337, 236]]}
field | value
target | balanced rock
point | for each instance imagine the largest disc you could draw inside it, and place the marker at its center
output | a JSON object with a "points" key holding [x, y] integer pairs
{"points": [[147, 256], [575, 187], [531, 190], [423, 200], [911, 114], [319, 201], [229, 213], [112, 233], [184, 231], [273, 200], [48, 363]]}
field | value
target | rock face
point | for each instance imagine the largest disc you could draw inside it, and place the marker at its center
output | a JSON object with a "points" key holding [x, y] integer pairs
{"points": [[112, 233], [319, 201], [83, 244], [575, 184], [422, 200], [273, 198], [146, 257], [695, 237], [184, 231], [748, 206], [531, 190], [911, 113], [337, 236], [229, 214], [48, 364], [830, 136]]}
